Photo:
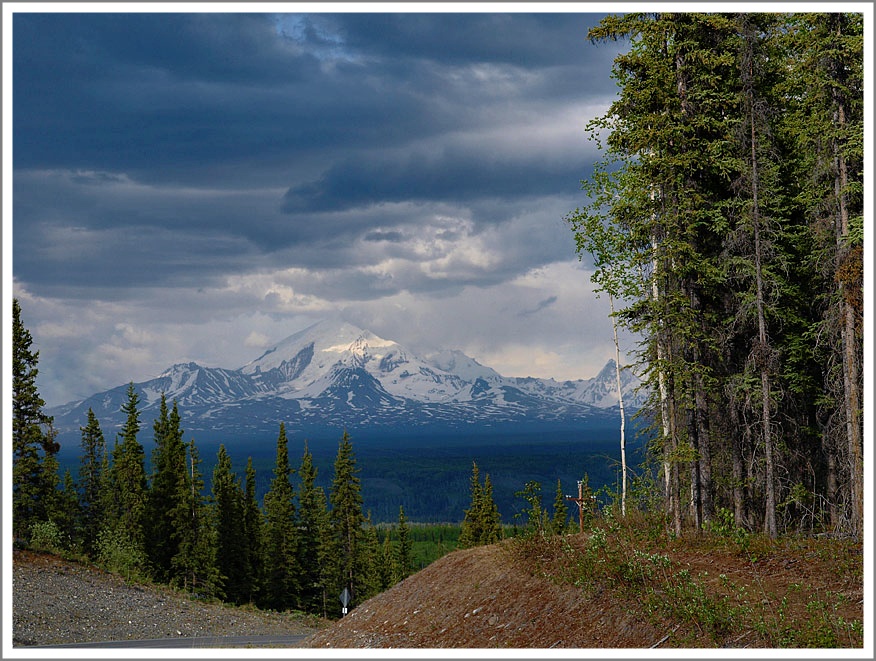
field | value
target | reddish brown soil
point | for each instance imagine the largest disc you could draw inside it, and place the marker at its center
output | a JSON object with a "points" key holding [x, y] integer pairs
{"points": [[486, 597]]}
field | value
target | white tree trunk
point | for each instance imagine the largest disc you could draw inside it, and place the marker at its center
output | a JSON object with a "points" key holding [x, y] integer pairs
{"points": [[620, 401]]}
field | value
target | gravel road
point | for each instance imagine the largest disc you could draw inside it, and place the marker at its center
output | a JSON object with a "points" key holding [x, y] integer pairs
{"points": [[55, 602]]}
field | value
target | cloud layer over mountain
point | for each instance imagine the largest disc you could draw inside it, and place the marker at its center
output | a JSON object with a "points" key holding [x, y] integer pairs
{"points": [[186, 182]]}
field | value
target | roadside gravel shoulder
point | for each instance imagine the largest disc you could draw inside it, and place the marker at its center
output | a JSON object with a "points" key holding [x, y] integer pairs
{"points": [[56, 602]]}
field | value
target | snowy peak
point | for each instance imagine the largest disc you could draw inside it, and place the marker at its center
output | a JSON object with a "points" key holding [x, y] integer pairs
{"points": [[456, 362], [335, 373]]}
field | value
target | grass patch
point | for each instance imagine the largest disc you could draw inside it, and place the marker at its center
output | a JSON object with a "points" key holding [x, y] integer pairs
{"points": [[721, 587]]}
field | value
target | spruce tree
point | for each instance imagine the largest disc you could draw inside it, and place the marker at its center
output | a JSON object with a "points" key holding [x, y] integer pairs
{"points": [[193, 567], [282, 571], [826, 117], [492, 521], [312, 525], [67, 512], [726, 215], [404, 551], [560, 520], [386, 563], [170, 476], [228, 512], [370, 552], [481, 523], [129, 497], [347, 520], [472, 525], [91, 476], [34, 449], [253, 535]]}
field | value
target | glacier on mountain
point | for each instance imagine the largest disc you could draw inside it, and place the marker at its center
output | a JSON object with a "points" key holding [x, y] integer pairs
{"points": [[334, 373]]}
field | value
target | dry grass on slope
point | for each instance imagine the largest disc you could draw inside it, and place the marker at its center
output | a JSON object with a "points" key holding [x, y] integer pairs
{"points": [[620, 588], [480, 598]]}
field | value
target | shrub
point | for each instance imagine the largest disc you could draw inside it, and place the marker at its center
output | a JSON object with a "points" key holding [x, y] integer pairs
{"points": [[47, 536], [117, 552]]}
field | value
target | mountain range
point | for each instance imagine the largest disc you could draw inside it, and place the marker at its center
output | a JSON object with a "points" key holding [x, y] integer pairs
{"points": [[334, 376]]}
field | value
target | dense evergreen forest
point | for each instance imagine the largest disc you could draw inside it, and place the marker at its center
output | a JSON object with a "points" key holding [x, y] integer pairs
{"points": [[297, 549], [726, 218]]}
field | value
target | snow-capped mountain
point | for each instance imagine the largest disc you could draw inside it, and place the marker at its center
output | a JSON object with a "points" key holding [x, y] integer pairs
{"points": [[333, 375]]}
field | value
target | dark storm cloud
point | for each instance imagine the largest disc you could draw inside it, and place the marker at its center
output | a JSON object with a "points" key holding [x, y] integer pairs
{"points": [[181, 148], [449, 177]]}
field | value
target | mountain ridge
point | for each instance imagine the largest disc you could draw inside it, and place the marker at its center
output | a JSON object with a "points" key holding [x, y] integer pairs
{"points": [[333, 374]]}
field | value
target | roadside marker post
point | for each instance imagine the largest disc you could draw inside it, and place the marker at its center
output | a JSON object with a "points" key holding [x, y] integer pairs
{"points": [[345, 600]]}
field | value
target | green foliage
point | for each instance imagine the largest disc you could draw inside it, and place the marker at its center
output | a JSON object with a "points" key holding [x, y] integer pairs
{"points": [[403, 560], [91, 477], [724, 216], [482, 523], [166, 513], [193, 566], [127, 502], [313, 529], [536, 518], [281, 537], [232, 552], [47, 536], [724, 525], [352, 565], [560, 520], [118, 552], [253, 538], [34, 450]]}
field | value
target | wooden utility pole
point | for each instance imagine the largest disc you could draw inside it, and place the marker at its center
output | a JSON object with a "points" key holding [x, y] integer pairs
{"points": [[580, 500]]}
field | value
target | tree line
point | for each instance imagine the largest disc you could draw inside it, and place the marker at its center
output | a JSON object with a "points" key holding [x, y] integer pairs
{"points": [[298, 550], [726, 215]]}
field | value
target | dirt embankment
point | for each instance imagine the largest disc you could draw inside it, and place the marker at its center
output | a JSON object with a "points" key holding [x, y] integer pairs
{"points": [[477, 599], [483, 597], [486, 597]]}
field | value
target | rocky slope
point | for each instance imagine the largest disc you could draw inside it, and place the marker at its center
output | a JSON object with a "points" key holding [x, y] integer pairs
{"points": [[56, 602]]}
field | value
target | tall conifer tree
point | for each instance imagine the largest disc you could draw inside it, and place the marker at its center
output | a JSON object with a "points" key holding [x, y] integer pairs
{"points": [[34, 449], [347, 521], [232, 559], [282, 571], [130, 494], [91, 467], [312, 526]]}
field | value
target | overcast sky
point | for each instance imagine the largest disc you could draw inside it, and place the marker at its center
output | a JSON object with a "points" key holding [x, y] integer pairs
{"points": [[198, 186]]}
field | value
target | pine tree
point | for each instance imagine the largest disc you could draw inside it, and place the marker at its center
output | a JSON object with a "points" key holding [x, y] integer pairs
{"points": [[492, 521], [386, 562], [130, 492], [193, 567], [170, 477], [347, 521], [34, 449], [826, 119], [67, 511], [91, 476], [472, 525], [281, 539], [253, 537], [482, 523], [560, 520], [404, 550], [370, 552], [312, 525], [228, 513]]}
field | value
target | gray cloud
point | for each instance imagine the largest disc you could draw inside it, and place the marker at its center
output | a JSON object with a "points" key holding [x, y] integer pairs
{"points": [[256, 171]]}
